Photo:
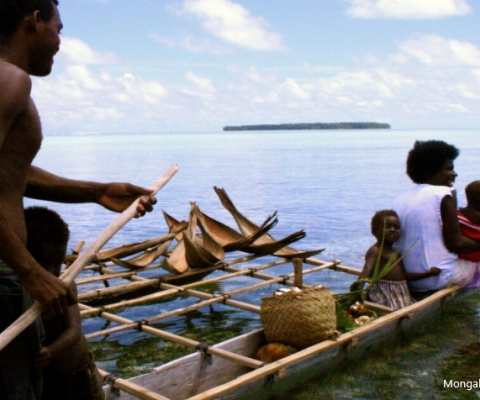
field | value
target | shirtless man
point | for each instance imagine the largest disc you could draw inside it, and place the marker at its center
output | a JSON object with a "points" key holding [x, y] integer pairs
{"points": [[29, 40]]}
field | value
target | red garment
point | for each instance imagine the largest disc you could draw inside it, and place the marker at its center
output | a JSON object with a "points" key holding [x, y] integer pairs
{"points": [[472, 231]]}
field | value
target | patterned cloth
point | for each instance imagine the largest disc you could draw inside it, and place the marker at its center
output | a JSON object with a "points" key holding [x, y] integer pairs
{"points": [[394, 294], [472, 231]]}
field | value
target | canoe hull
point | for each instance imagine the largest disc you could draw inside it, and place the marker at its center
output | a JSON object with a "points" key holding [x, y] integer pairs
{"points": [[192, 377]]}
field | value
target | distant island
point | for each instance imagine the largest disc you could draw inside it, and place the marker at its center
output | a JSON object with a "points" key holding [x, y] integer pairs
{"points": [[309, 126]]}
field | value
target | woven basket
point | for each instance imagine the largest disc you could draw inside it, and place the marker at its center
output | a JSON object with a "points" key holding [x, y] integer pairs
{"points": [[299, 319]]}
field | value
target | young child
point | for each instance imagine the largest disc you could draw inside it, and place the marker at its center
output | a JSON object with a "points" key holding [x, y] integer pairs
{"points": [[392, 290], [469, 218], [68, 370]]}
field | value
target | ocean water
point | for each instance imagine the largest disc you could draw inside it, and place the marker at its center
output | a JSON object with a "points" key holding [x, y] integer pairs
{"points": [[328, 183]]}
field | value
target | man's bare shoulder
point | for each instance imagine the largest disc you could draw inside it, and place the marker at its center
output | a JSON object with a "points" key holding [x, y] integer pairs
{"points": [[13, 81]]}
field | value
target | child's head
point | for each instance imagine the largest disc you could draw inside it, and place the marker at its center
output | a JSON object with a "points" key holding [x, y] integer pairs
{"points": [[47, 237], [386, 220], [472, 191]]}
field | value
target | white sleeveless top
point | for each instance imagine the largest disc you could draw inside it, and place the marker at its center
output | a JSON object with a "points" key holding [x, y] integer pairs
{"points": [[421, 227]]}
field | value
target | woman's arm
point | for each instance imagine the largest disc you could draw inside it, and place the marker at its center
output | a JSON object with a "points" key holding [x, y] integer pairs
{"points": [[415, 276]]}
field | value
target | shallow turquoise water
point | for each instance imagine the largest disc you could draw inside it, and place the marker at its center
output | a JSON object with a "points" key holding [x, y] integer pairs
{"points": [[326, 182]]}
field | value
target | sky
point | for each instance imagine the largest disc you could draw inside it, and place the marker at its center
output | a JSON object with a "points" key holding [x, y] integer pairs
{"points": [[131, 66]]}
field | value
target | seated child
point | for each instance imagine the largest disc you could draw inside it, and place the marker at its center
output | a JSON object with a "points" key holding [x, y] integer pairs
{"points": [[65, 360], [469, 219], [392, 290]]}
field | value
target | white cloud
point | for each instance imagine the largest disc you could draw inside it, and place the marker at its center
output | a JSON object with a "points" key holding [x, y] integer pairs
{"points": [[435, 50], [75, 51], [203, 87], [201, 82], [296, 89], [193, 44], [234, 24], [436, 84], [407, 9]]}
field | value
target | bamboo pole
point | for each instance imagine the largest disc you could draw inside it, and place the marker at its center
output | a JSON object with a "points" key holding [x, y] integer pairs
{"points": [[133, 389], [128, 249], [113, 274], [69, 275], [298, 273], [235, 272], [156, 318], [92, 279], [338, 267], [139, 282], [247, 361]]}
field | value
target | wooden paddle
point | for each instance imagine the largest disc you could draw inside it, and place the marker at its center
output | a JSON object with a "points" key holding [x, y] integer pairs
{"points": [[78, 265]]}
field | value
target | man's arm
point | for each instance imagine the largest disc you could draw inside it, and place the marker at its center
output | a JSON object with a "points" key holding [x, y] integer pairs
{"points": [[452, 235], [117, 197]]}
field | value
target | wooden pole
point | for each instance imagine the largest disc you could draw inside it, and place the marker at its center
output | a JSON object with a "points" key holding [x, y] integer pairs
{"points": [[178, 289], [298, 273], [132, 389], [247, 361], [69, 275]]}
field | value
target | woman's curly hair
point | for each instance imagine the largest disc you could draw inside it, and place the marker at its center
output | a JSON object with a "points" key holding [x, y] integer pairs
{"points": [[427, 158]]}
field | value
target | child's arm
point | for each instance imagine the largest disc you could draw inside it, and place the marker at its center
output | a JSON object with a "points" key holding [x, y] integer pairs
{"points": [[72, 334], [42, 359], [434, 271], [370, 260]]}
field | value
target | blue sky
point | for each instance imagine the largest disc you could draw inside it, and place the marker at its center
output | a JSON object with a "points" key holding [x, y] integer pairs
{"points": [[198, 65]]}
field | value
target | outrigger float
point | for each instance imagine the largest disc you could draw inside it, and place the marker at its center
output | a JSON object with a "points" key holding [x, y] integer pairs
{"points": [[229, 369]]}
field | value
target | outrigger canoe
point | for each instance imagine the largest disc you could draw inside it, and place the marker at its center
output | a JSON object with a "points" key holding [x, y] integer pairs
{"points": [[229, 370]]}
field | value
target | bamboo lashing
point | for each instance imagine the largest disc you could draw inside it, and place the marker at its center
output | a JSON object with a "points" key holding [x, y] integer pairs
{"points": [[69, 275], [76, 252]]}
